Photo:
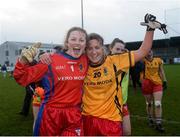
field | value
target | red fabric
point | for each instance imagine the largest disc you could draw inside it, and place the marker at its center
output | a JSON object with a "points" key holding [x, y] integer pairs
{"points": [[94, 126], [25, 74], [148, 87], [67, 122], [125, 110], [63, 83]]}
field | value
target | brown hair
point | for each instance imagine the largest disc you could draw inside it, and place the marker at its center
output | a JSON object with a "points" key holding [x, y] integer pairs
{"points": [[69, 32], [96, 37], [116, 40]]}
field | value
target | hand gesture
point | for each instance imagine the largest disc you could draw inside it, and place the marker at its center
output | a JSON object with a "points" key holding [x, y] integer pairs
{"points": [[152, 24], [28, 54]]}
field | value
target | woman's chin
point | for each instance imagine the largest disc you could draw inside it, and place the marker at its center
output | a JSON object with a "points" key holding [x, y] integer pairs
{"points": [[77, 55], [95, 62]]}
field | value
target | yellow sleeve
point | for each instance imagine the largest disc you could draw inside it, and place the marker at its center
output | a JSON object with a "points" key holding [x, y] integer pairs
{"points": [[123, 61]]}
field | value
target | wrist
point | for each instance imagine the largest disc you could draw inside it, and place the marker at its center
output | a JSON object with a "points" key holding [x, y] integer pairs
{"points": [[150, 29], [23, 60]]}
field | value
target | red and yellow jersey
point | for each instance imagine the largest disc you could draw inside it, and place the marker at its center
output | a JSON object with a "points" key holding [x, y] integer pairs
{"points": [[152, 69], [101, 86], [62, 80]]}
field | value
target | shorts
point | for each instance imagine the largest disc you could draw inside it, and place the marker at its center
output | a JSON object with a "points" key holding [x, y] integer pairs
{"points": [[94, 126], [59, 122], [148, 87], [125, 110]]}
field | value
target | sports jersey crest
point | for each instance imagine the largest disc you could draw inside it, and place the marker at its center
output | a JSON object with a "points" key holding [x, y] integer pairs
{"points": [[81, 67], [105, 71]]}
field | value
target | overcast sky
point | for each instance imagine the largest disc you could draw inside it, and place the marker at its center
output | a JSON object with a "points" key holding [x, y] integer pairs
{"points": [[48, 20]]}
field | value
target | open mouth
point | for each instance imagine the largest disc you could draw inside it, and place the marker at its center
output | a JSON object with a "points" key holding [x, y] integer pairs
{"points": [[76, 50]]}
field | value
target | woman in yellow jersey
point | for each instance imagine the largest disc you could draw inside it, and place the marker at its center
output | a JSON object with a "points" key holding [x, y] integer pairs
{"points": [[102, 98], [118, 46], [152, 87]]}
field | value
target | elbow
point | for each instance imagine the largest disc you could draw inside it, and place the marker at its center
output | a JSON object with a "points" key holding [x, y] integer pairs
{"points": [[20, 79], [20, 82]]}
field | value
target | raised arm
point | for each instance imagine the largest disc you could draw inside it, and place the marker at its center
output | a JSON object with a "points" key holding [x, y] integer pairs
{"points": [[24, 73], [145, 46], [152, 24]]}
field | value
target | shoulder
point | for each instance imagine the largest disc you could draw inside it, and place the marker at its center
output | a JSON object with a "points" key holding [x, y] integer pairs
{"points": [[158, 59], [84, 56], [119, 55]]}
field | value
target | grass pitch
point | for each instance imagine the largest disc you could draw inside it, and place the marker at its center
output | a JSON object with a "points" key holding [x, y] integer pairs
{"points": [[12, 96]]}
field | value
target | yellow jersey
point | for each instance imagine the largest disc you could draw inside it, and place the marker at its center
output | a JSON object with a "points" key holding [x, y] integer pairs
{"points": [[103, 83], [152, 69]]}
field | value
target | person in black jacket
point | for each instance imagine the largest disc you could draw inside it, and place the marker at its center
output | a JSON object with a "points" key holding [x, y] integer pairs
{"points": [[28, 97]]}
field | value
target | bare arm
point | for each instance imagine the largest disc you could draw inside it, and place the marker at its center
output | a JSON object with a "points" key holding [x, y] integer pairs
{"points": [[162, 74], [145, 46]]}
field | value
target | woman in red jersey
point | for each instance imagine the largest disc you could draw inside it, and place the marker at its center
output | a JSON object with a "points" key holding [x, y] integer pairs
{"points": [[62, 80]]}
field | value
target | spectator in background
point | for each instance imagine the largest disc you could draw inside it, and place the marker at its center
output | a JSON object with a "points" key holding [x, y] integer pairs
{"points": [[28, 96], [4, 70], [135, 74], [152, 88], [11, 69], [58, 49]]}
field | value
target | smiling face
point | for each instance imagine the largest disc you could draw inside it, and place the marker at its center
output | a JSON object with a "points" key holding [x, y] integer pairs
{"points": [[95, 51], [76, 43]]}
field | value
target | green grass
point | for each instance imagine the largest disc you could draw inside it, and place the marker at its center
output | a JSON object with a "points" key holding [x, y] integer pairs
{"points": [[11, 100], [170, 102], [12, 95]]}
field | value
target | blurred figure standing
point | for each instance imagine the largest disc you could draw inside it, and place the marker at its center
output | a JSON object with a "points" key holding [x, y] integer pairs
{"points": [[28, 96], [153, 84], [4, 70]]}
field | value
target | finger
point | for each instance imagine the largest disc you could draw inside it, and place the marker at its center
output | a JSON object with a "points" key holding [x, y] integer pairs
{"points": [[45, 61], [27, 54], [152, 17], [45, 58], [143, 24], [146, 17], [164, 30], [37, 45]]}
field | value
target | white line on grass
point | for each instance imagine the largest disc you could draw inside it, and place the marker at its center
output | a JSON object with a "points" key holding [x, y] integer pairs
{"points": [[164, 120]]}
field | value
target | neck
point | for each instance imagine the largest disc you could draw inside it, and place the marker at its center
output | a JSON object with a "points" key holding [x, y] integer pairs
{"points": [[150, 58]]}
